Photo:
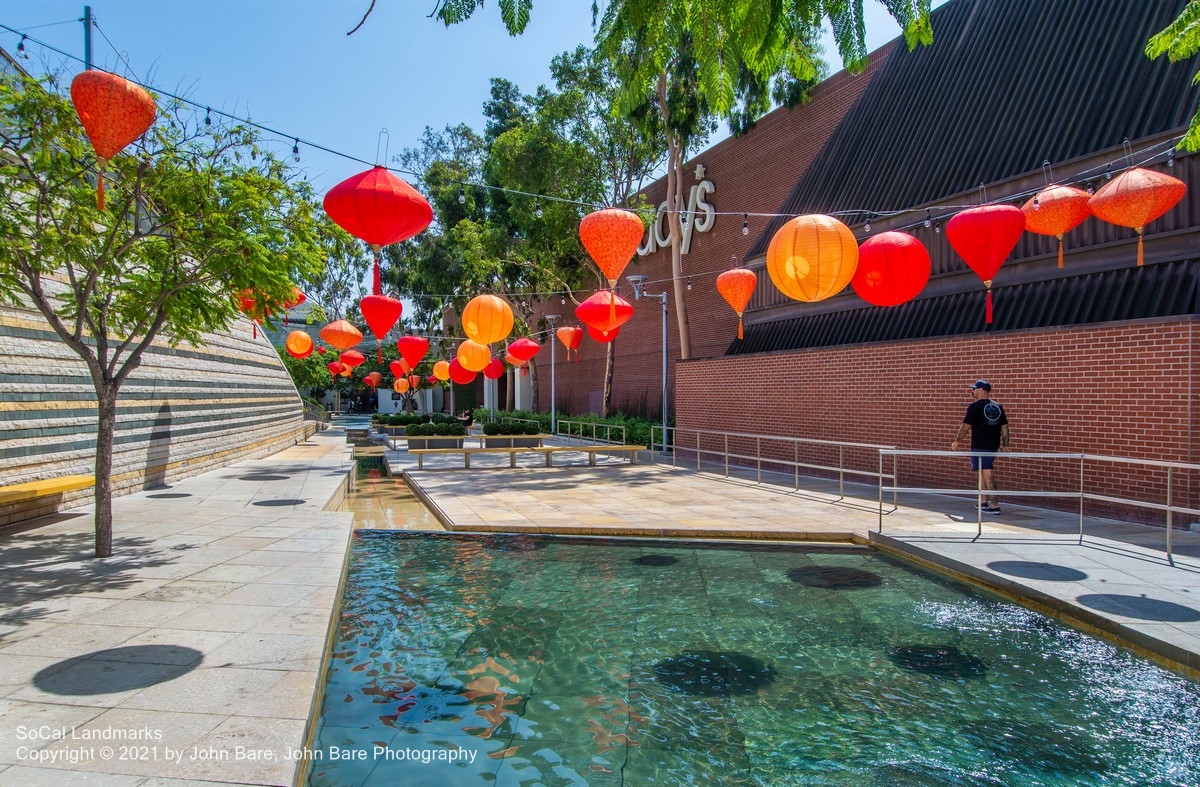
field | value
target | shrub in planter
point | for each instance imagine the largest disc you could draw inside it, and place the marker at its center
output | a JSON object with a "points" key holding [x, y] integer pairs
{"points": [[491, 428], [533, 428]]}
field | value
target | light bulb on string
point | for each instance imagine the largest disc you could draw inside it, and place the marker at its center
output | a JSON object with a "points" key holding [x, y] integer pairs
{"points": [[1108, 172], [462, 195], [21, 47], [537, 210], [1171, 158], [207, 116], [937, 228], [689, 283], [928, 219], [745, 224], [296, 149], [1090, 188], [867, 226], [1037, 204]]}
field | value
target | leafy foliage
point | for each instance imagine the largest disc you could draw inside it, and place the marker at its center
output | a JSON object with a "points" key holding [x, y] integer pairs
{"points": [[1180, 41]]}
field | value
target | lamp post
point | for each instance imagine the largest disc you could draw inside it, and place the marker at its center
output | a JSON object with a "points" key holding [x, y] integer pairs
{"points": [[551, 319], [639, 291]]}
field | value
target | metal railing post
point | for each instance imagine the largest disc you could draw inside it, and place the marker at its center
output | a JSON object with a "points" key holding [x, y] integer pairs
{"points": [[895, 482], [881, 491], [1169, 558], [796, 462], [841, 471], [758, 456], [727, 456], [1081, 460], [697, 450], [978, 499]]}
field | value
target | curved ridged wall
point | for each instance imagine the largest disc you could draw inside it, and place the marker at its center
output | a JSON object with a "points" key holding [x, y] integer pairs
{"points": [[183, 411]]}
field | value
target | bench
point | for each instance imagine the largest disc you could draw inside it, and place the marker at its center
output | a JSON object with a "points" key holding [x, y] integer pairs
{"points": [[47, 487], [548, 450]]}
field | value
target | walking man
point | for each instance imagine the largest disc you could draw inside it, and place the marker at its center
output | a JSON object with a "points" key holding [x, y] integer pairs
{"points": [[988, 424]]}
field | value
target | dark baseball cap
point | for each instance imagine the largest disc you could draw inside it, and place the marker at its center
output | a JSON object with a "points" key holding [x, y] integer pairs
{"points": [[984, 384]]}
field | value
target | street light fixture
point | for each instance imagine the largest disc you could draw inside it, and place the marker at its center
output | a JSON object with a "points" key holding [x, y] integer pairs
{"points": [[551, 319], [639, 291]]}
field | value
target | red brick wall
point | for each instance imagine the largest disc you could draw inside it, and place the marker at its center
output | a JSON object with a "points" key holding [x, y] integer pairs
{"points": [[752, 173], [1125, 389]]}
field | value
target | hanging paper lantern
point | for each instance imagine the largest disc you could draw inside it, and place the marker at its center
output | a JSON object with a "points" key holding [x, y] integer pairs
{"points": [[487, 319], [114, 112], [736, 287], [473, 356], [381, 313], [460, 374], [346, 371], [1135, 198], [1056, 210], [401, 386], [812, 258], [373, 379], [433, 379], [397, 368], [611, 237], [414, 380], [571, 336], [297, 299], [441, 370], [335, 367], [604, 311], [352, 358], [341, 335], [412, 349], [523, 350], [604, 337], [494, 370], [984, 237], [321, 350], [299, 344], [893, 268], [248, 306]]}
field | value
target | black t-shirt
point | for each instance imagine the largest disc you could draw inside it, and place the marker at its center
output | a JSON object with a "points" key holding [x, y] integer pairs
{"points": [[985, 418]]}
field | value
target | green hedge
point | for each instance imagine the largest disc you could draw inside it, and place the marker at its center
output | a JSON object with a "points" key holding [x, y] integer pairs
{"points": [[637, 430], [444, 429]]}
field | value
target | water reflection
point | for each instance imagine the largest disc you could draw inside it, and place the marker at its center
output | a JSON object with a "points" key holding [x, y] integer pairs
{"points": [[386, 503]]}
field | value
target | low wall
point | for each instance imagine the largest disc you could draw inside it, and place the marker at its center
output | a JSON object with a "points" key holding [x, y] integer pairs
{"points": [[184, 411]]}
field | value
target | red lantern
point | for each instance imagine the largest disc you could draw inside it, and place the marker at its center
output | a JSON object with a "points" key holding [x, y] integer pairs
{"points": [[299, 344], [1135, 198], [984, 237], [611, 237], [114, 112], [352, 358], [297, 299], [604, 337], [379, 208], [414, 380], [523, 350], [412, 349], [459, 374], [1056, 210], [432, 379], [571, 336], [381, 313], [397, 369], [373, 379], [604, 311], [341, 335], [321, 350], [494, 370], [893, 268], [335, 367], [736, 287]]}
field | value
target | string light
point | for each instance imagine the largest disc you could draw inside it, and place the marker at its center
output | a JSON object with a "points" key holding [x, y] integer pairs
{"points": [[1037, 204], [745, 224], [1090, 188], [867, 226], [689, 283], [462, 195], [537, 210], [207, 116], [1171, 158], [296, 149], [1108, 172], [928, 218], [21, 47]]}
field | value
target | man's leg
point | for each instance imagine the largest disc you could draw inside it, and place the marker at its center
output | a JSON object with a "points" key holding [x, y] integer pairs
{"points": [[989, 486]]}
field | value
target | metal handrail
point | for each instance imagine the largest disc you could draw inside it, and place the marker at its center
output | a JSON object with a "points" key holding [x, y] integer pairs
{"points": [[726, 455], [608, 431], [1081, 494]]}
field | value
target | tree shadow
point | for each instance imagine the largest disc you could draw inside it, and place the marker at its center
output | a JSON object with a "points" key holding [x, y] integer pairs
{"points": [[1140, 607], [54, 566], [117, 669], [158, 452], [1030, 570]]}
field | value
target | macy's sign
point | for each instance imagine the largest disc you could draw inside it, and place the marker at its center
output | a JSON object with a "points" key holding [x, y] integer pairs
{"points": [[700, 217]]}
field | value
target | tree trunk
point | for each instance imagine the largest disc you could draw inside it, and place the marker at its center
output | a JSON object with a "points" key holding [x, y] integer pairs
{"points": [[675, 202], [533, 385], [105, 432], [610, 358]]}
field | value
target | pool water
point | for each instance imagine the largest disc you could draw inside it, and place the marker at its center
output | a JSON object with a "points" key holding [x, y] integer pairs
{"points": [[567, 661]]}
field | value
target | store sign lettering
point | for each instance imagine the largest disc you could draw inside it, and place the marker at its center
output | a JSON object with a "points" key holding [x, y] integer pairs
{"points": [[700, 214]]}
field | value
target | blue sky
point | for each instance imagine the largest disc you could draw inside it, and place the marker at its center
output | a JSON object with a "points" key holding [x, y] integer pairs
{"points": [[290, 65]]}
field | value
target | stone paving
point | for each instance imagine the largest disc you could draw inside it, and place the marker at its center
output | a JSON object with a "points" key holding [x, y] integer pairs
{"points": [[209, 625]]}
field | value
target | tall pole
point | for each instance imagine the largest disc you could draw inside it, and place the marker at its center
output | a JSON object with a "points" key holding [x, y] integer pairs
{"points": [[552, 319], [664, 371], [87, 37]]}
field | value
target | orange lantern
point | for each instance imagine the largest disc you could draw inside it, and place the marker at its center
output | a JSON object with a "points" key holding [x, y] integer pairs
{"points": [[812, 258], [487, 319], [373, 379], [473, 356], [114, 112], [1135, 198], [341, 335], [736, 287], [414, 380], [1056, 210], [893, 267], [401, 385], [570, 336], [352, 358], [441, 370], [611, 237], [299, 344]]}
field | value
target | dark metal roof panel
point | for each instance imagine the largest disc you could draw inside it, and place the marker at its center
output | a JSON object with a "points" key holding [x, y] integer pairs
{"points": [[1165, 290], [1005, 85]]}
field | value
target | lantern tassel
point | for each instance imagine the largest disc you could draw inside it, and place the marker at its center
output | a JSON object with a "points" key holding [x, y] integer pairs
{"points": [[1060, 251], [1140, 258], [612, 307], [739, 325], [100, 183], [378, 351], [988, 308], [377, 278]]}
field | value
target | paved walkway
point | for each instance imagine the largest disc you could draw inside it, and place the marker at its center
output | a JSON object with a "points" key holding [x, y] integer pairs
{"points": [[205, 632]]}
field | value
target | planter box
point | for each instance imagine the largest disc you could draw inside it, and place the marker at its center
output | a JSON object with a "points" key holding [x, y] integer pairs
{"points": [[435, 442], [395, 431], [512, 441]]}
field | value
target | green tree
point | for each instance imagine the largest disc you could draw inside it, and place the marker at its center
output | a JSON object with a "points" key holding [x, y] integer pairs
{"points": [[1180, 41], [195, 214]]}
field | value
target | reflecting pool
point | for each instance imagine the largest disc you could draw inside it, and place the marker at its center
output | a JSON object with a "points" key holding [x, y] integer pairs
{"points": [[523, 660]]}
